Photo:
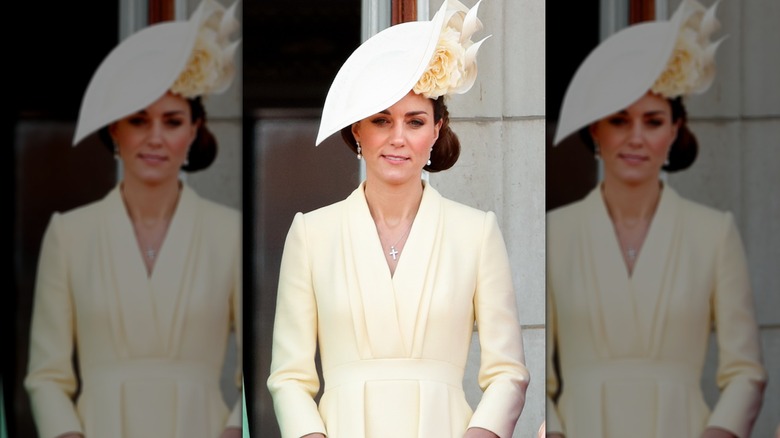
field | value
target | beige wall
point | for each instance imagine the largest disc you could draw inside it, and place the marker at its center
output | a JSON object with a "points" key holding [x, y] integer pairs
{"points": [[501, 125], [737, 123]]}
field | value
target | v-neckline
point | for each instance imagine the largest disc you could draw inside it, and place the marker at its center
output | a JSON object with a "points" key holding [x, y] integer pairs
{"points": [[631, 274], [168, 235], [641, 297], [160, 294], [391, 303]]}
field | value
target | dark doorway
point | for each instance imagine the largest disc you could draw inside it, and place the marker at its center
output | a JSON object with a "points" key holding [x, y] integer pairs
{"points": [[292, 52], [571, 170], [55, 46]]}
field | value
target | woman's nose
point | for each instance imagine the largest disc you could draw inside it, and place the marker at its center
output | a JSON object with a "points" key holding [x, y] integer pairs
{"points": [[636, 136], [397, 135], [156, 134]]}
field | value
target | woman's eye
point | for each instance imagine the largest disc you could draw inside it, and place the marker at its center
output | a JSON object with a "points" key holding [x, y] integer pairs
{"points": [[174, 122], [655, 122], [617, 121], [416, 123], [136, 121], [379, 121]]}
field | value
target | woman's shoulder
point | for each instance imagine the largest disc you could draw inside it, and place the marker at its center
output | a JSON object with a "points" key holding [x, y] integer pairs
{"points": [[218, 211], [83, 216], [705, 221], [711, 230], [334, 211], [325, 211], [568, 214], [207, 209], [700, 211], [565, 211], [453, 210], [320, 221]]}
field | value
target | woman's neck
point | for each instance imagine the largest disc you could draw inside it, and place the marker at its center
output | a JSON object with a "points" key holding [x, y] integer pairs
{"points": [[630, 203], [147, 204], [393, 205]]}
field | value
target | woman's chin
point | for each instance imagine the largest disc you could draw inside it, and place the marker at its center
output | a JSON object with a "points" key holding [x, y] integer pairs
{"points": [[155, 177]]}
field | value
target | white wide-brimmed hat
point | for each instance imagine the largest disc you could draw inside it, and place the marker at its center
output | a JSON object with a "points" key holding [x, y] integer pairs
{"points": [[672, 58], [433, 58], [190, 58]]}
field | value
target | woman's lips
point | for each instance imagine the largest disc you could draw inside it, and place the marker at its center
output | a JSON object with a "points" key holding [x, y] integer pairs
{"points": [[633, 158], [152, 158], [395, 158]]}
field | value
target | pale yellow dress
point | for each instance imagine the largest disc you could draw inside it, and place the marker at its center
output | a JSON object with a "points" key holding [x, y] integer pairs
{"points": [[394, 348], [632, 347], [150, 349]]}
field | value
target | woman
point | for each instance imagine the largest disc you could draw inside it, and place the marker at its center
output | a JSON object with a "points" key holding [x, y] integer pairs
{"points": [[143, 286], [388, 284], [637, 275]]}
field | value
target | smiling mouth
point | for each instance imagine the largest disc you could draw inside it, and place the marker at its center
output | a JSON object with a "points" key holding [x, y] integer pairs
{"points": [[395, 158], [152, 157], [633, 158]]}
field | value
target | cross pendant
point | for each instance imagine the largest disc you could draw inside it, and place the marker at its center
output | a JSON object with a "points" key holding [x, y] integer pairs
{"points": [[393, 252]]}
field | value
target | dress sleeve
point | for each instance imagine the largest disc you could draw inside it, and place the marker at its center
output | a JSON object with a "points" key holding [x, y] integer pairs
{"points": [[235, 418], [740, 375], [294, 381], [553, 421], [51, 380], [503, 376]]}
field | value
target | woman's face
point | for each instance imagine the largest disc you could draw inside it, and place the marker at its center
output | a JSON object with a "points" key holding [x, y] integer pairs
{"points": [[153, 143], [396, 143], [634, 143]]}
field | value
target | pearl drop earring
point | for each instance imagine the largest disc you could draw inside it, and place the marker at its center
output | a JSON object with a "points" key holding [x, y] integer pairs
{"points": [[359, 151]]}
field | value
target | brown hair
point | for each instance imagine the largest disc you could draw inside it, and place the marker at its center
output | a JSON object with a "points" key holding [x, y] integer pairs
{"points": [[685, 148], [203, 150], [445, 151]]}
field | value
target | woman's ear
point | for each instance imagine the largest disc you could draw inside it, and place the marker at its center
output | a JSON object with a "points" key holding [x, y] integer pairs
{"points": [[676, 129], [356, 131], [195, 127], [437, 129], [112, 133], [593, 131]]}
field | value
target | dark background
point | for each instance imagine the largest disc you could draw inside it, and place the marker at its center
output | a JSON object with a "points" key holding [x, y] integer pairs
{"points": [[54, 48], [572, 32], [292, 52]]}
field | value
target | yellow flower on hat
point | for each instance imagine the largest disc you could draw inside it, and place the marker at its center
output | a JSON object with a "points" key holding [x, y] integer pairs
{"points": [[446, 68], [691, 67], [453, 68], [210, 68], [202, 70]]}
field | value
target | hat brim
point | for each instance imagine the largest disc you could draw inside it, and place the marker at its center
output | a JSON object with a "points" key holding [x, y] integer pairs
{"points": [[365, 85], [136, 73], [617, 73]]}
